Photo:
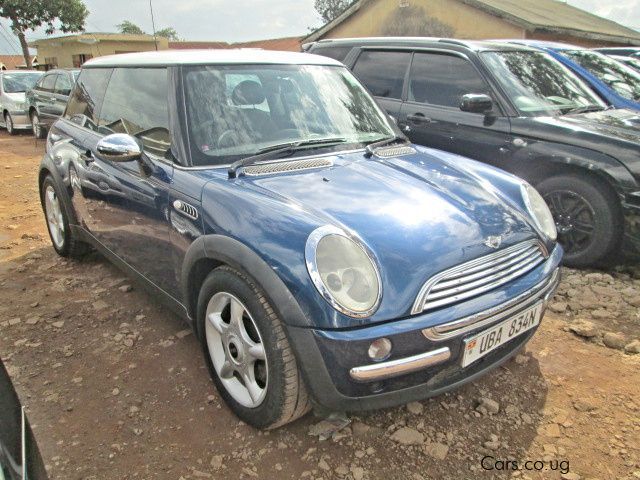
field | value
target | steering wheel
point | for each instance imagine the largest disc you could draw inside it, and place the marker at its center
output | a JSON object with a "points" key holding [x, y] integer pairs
{"points": [[228, 138]]}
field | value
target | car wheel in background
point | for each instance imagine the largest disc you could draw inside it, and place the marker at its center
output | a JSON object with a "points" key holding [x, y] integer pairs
{"points": [[587, 218], [38, 131], [8, 122], [247, 351], [64, 241]]}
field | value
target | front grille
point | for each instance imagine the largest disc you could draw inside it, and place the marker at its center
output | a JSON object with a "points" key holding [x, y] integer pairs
{"points": [[286, 166], [479, 276]]}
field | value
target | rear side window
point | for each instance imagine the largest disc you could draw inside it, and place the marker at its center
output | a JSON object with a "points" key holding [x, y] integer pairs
{"points": [[440, 79], [337, 53], [84, 104], [383, 72], [136, 103], [48, 83], [63, 85]]}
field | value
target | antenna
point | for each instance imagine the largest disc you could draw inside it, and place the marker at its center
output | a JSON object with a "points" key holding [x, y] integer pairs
{"points": [[153, 26]]}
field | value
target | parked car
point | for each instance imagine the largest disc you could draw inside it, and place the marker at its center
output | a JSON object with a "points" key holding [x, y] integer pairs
{"points": [[633, 62], [266, 198], [617, 84], [620, 51], [47, 100], [521, 110], [19, 454], [13, 107]]}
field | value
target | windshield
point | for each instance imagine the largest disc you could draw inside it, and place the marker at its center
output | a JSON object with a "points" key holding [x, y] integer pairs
{"points": [[239, 111], [19, 82], [538, 85], [624, 80]]}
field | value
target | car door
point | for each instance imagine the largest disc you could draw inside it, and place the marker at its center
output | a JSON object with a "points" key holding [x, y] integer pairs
{"points": [[383, 72], [431, 114], [61, 94], [45, 97]]}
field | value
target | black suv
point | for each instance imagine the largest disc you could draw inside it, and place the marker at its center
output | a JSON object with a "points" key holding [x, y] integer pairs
{"points": [[521, 110]]}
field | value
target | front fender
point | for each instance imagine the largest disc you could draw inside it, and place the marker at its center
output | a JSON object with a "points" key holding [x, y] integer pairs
{"points": [[216, 250]]}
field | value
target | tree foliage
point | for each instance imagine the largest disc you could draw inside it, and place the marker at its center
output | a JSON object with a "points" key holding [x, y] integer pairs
{"points": [[169, 33], [130, 28], [413, 21], [64, 15], [330, 9]]}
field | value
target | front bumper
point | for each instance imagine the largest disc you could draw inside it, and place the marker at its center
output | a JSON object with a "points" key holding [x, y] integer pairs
{"points": [[426, 356]]}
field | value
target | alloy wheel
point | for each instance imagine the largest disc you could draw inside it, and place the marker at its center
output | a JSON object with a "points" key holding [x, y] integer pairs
{"points": [[575, 219], [55, 219], [35, 123], [236, 349], [8, 121]]}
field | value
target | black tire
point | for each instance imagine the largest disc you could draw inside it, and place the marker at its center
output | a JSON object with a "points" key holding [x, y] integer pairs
{"points": [[286, 398], [38, 130], [70, 245], [8, 123], [587, 216]]}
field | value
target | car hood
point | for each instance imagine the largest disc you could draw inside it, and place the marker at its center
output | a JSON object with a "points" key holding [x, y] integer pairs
{"points": [[612, 132], [419, 214]]}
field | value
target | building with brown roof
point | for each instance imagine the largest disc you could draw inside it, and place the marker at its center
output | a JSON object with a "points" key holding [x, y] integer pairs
{"points": [[291, 44], [476, 19]]}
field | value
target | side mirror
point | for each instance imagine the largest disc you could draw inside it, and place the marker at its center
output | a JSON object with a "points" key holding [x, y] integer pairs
{"points": [[476, 103], [119, 147]]}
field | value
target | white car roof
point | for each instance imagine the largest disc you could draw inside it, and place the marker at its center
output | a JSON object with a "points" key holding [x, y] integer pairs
{"points": [[209, 57]]}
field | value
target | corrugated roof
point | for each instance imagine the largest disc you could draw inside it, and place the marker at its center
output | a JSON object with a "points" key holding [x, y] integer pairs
{"points": [[553, 15], [533, 15], [287, 44], [10, 62]]}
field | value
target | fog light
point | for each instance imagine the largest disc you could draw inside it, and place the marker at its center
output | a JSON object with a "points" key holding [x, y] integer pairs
{"points": [[380, 349]]}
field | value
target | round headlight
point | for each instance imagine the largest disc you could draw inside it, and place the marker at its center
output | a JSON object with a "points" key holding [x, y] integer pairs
{"points": [[540, 212], [343, 271]]}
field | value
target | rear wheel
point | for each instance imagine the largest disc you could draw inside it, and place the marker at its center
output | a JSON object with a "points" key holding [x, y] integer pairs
{"points": [[64, 241], [38, 131], [247, 351], [587, 218]]}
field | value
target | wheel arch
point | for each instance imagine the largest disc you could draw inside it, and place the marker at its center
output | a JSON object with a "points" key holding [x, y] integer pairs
{"points": [[211, 251]]}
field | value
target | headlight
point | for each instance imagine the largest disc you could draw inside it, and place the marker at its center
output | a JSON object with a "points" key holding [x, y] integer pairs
{"points": [[343, 271], [540, 212]]}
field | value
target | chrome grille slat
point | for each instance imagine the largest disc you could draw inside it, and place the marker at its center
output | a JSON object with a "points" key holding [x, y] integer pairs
{"points": [[286, 166], [479, 276]]}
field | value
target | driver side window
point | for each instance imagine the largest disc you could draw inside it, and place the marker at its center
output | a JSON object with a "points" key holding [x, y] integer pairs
{"points": [[136, 103]]}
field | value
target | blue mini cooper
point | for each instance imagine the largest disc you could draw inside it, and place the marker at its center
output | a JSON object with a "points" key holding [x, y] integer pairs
{"points": [[322, 260]]}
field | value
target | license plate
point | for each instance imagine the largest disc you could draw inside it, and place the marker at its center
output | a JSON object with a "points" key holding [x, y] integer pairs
{"points": [[485, 342]]}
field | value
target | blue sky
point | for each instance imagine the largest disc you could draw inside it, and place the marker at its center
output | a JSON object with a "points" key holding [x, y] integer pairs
{"points": [[239, 20]]}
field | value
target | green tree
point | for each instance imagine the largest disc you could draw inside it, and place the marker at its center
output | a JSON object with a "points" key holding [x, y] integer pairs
{"points": [[129, 27], [64, 15], [169, 33], [330, 9]]}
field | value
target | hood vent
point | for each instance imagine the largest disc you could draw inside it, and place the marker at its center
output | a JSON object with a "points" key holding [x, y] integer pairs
{"points": [[387, 152], [287, 166]]}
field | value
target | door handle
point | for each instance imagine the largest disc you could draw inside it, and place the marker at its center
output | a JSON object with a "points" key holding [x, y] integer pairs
{"points": [[418, 118]]}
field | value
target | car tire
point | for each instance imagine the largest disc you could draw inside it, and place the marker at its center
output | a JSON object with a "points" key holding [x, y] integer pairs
{"points": [[38, 130], [8, 123], [64, 241], [587, 217], [263, 393]]}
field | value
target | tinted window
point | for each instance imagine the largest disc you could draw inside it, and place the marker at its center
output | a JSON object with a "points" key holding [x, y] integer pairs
{"points": [[48, 82], [439, 79], [383, 72], [136, 103], [63, 84], [624, 80], [86, 99], [337, 53]]}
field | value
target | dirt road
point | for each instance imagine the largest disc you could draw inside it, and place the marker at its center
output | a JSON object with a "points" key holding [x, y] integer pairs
{"points": [[116, 387]]}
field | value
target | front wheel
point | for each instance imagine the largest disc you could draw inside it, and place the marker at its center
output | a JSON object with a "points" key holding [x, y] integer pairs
{"points": [[588, 221], [8, 122], [247, 351]]}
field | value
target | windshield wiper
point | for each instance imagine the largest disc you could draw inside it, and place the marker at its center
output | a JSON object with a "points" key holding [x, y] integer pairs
{"points": [[282, 149], [372, 147], [585, 109]]}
